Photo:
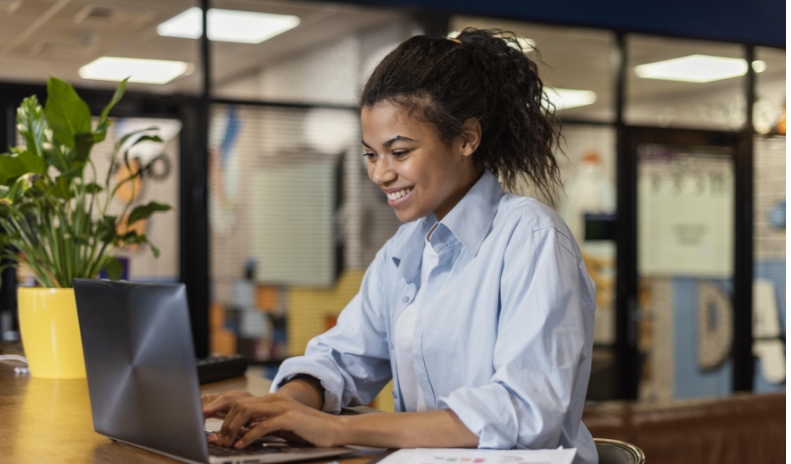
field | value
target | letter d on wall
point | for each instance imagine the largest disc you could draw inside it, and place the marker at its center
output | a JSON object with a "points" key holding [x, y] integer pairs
{"points": [[715, 326]]}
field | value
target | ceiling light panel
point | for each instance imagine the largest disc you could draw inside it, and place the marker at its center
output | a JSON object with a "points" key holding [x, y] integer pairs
{"points": [[696, 68], [228, 25], [570, 98], [109, 68]]}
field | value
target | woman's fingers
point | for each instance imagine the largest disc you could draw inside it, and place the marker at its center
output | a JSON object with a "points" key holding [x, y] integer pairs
{"points": [[260, 429], [216, 404], [241, 413]]}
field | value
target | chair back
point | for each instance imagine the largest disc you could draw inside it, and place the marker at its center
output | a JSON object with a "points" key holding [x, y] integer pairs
{"points": [[618, 452]]}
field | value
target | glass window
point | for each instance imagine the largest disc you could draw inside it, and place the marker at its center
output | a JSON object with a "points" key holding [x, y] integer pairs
{"points": [[576, 64], [159, 182], [588, 206], [64, 39], [769, 286], [685, 83], [587, 203], [685, 261], [770, 92]]}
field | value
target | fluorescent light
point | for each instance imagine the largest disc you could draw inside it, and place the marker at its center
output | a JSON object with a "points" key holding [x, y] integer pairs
{"points": [[528, 45], [109, 68], [569, 98], [697, 68], [228, 25]]}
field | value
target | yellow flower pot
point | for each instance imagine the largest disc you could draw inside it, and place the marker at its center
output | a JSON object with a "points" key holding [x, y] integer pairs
{"points": [[51, 333]]}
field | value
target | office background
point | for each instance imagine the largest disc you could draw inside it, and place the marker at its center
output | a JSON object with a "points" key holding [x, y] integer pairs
{"points": [[674, 183]]}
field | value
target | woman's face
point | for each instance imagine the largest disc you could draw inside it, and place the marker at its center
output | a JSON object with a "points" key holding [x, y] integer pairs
{"points": [[407, 159]]}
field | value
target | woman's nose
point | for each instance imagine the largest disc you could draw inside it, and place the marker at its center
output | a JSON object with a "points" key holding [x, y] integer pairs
{"points": [[382, 172]]}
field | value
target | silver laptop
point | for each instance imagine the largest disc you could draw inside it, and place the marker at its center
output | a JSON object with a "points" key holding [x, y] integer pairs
{"points": [[143, 380]]}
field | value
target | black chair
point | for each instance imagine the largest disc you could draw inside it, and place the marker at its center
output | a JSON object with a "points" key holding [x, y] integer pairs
{"points": [[618, 452]]}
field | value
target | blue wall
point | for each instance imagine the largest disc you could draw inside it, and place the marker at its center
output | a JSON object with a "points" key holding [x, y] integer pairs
{"points": [[776, 272], [759, 22], [689, 380]]}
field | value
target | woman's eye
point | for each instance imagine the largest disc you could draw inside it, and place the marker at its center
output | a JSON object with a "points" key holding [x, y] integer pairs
{"points": [[369, 155], [400, 153]]}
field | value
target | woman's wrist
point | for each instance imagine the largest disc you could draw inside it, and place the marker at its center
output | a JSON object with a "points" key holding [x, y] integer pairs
{"points": [[304, 389]]}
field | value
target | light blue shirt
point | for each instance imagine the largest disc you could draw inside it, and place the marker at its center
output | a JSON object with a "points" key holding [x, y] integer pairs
{"points": [[504, 332]]}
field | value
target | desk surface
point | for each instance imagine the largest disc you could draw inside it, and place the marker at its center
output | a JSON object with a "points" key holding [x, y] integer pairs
{"points": [[50, 421]]}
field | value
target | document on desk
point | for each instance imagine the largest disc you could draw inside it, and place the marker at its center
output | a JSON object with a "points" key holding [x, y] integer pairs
{"points": [[479, 456]]}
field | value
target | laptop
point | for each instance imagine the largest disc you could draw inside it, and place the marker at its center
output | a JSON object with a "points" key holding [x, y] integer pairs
{"points": [[143, 380]]}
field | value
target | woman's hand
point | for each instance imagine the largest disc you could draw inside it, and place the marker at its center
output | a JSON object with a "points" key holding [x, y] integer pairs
{"points": [[218, 404], [276, 413]]}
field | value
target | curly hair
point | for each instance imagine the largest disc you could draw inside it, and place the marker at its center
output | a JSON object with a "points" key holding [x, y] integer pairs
{"points": [[481, 74]]}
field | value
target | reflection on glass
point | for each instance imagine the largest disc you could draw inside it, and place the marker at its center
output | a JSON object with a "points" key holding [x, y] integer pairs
{"points": [[293, 225], [685, 83], [685, 256]]}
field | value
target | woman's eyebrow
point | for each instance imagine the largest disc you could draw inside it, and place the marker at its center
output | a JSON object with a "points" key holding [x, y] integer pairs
{"points": [[395, 139]]}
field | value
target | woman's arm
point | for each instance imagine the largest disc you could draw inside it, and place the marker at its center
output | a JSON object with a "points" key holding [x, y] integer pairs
{"points": [[299, 389], [429, 429], [280, 413]]}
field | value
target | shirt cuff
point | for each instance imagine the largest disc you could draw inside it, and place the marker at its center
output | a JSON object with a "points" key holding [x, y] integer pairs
{"points": [[488, 412]]}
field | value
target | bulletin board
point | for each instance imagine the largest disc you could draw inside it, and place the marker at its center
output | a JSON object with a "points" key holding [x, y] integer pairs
{"points": [[685, 211]]}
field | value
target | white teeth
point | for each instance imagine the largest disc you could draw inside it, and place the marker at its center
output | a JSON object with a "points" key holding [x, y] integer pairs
{"points": [[399, 194]]}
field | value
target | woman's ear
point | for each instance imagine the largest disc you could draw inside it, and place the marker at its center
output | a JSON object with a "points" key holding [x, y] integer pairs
{"points": [[470, 137]]}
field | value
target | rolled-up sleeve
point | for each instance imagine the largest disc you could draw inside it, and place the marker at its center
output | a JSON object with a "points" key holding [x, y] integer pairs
{"points": [[351, 360], [544, 335]]}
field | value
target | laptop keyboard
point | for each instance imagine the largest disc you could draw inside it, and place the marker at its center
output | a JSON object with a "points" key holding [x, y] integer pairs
{"points": [[264, 445], [225, 451]]}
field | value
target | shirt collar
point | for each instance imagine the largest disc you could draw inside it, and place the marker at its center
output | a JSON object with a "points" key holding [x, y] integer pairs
{"points": [[469, 222]]}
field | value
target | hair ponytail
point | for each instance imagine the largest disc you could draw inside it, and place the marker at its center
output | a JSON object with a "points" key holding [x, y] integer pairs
{"points": [[483, 74]]}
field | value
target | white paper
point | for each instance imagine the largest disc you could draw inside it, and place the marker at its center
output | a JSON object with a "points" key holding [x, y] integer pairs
{"points": [[479, 456]]}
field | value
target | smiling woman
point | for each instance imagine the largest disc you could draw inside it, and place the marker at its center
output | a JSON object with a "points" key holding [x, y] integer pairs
{"points": [[480, 307]]}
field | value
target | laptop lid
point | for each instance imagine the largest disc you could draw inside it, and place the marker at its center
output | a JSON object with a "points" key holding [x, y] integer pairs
{"points": [[142, 377]]}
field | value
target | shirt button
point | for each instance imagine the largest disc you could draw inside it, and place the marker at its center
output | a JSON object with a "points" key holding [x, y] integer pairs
{"points": [[405, 299]]}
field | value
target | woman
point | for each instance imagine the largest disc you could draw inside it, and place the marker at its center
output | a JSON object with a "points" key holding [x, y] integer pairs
{"points": [[480, 306]]}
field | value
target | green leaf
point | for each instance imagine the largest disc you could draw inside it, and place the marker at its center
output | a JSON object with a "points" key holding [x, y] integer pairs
{"points": [[83, 142], [31, 124], [119, 92], [106, 229], [74, 172], [61, 189], [93, 188], [143, 138], [17, 191], [55, 156], [145, 211], [154, 249], [11, 167], [66, 113], [113, 268], [32, 162], [126, 137], [100, 134]]}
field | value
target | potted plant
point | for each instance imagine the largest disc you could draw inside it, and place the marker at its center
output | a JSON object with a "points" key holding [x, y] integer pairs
{"points": [[55, 219]]}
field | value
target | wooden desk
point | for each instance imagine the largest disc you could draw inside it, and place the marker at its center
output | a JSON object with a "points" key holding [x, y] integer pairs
{"points": [[43, 421]]}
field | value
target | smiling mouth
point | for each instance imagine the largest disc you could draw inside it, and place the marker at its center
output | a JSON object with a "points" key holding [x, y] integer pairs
{"points": [[396, 195]]}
